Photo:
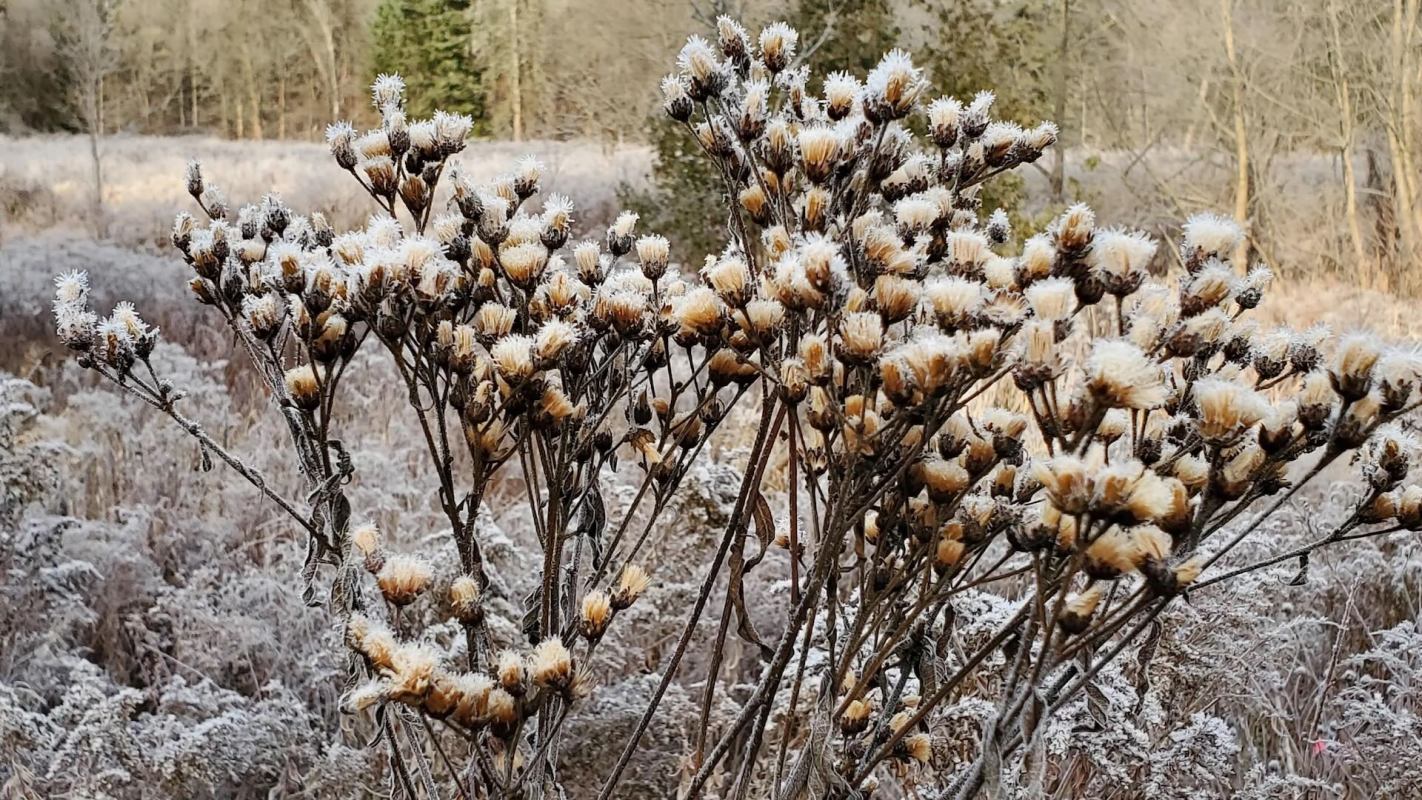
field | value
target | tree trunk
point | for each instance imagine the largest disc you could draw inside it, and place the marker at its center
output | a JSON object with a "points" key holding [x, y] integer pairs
{"points": [[281, 105], [1409, 79], [1380, 199], [254, 98], [1343, 93], [1409, 226], [321, 40], [101, 228], [1058, 176], [193, 82], [1201, 106], [1241, 133], [93, 108], [515, 79]]}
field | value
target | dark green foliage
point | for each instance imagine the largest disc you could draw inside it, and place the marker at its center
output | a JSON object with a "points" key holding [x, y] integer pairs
{"points": [[684, 204], [850, 35], [30, 99], [428, 43], [33, 92], [1005, 47]]}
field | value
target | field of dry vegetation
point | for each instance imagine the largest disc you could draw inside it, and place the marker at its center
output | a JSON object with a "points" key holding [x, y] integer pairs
{"points": [[154, 637], [152, 640]]}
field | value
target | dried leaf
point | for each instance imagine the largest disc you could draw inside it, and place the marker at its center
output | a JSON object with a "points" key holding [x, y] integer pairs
{"points": [[380, 714], [593, 520], [1098, 707], [532, 629], [1143, 659], [308, 573], [764, 528], [645, 442], [739, 567], [1035, 761]]}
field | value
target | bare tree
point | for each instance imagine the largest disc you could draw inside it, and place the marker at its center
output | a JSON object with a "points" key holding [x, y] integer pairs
{"points": [[507, 38], [1059, 102], [87, 51], [1343, 90], [1241, 132], [1396, 99], [321, 39]]}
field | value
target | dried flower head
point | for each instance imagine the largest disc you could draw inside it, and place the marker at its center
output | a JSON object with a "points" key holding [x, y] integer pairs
{"points": [[893, 87], [1119, 375], [595, 614], [1210, 236], [303, 387], [630, 585], [464, 595], [403, 578]]}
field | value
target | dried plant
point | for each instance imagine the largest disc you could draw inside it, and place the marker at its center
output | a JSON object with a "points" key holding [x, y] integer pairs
{"points": [[1002, 464], [509, 356]]}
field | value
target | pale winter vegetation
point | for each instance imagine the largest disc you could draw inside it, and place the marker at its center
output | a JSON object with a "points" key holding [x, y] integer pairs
{"points": [[45, 193], [885, 499], [1298, 118]]}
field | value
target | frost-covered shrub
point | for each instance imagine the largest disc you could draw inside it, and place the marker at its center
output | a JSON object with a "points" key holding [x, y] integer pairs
{"points": [[139, 660], [27, 466], [191, 740], [1376, 715], [1001, 469]]}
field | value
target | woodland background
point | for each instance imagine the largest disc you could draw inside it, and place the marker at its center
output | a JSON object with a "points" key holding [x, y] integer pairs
{"points": [[1285, 113], [149, 640]]}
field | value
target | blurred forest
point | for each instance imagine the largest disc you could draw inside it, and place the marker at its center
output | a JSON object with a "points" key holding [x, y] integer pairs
{"points": [[1262, 108]]}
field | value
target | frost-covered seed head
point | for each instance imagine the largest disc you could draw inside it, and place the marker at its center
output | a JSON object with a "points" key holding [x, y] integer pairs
{"points": [[595, 614], [1353, 363], [403, 578], [631, 583], [841, 95], [653, 253], [892, 87], [1119, 375], [303, 387], [551, 666], [464, 597], [777, 46], [1209, 236]]}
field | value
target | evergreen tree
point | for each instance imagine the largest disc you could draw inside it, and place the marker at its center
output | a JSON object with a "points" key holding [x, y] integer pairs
{"points": [[428, 42], [1004, 47], [847, 35], [1008, 48], [979, 48]]}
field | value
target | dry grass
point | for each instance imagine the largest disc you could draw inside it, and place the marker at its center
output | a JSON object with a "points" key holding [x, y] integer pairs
{"points": [[45, 181], [1342, 307]]}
